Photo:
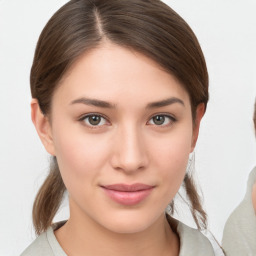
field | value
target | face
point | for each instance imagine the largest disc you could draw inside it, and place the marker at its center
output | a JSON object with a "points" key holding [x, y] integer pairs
{"points": [[121, 129]]}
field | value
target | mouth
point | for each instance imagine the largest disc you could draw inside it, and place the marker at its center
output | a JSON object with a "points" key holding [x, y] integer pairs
{"points": [[128, 194]]}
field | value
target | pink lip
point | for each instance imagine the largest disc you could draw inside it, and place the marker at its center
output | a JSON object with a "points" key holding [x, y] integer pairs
{"points": [[128, 194]]}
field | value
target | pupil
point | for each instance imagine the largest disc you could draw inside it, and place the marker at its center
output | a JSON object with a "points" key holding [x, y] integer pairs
{"points": [[159, 120], [94, 120]]}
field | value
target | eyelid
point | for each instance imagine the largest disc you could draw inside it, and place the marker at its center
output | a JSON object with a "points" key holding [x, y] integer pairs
{"points": [[171, 117], [84, 116]]}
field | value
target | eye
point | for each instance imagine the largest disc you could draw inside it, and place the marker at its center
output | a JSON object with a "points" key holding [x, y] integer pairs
{"points": [[161, 120], [94, 120]]}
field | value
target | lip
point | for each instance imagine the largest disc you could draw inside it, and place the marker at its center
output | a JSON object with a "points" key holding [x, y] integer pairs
{"points": [[128, 194]]}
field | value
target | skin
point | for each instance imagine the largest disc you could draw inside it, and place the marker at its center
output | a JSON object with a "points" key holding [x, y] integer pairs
{"points": [[127, 146]]}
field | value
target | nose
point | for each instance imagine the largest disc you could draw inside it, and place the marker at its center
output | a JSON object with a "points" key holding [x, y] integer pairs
{"points": [[129, 150]]}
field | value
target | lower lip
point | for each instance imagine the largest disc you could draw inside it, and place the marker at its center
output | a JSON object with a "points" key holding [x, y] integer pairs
{"points": [[128, 198]]}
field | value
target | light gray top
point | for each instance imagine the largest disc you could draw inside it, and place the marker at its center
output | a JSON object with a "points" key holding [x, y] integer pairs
{"points": [[192, 243], [239, 236]]}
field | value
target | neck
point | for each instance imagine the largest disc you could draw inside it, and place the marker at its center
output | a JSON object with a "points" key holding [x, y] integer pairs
{"points": [[82, 236]]}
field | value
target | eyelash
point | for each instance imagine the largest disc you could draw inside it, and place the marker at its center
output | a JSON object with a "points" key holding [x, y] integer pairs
{"points": [[166, 116], [83, 118]]}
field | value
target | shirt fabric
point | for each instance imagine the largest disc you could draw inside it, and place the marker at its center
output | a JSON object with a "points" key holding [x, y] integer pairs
{"points": [[192, 243], [239, 236]]}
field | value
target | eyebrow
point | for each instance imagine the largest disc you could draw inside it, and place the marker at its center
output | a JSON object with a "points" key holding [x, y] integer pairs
{"points": [[165, 102], [105, 104], [93, 102]]}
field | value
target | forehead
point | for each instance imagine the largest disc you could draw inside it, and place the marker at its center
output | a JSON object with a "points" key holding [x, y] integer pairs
{"points": [[118, 74]]}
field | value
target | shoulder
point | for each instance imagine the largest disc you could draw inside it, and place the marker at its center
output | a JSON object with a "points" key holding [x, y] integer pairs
{"points": [[46, 244], [240, 227], [40, 247], [193, 242], [243, 216], [244, 212]]}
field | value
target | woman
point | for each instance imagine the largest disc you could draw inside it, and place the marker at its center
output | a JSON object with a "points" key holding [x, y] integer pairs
{"points": [[119, 89], [240, 228]]}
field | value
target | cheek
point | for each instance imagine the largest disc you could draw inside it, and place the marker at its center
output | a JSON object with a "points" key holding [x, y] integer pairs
{"points": [[80, 157], [174, 150], [172, 159]]}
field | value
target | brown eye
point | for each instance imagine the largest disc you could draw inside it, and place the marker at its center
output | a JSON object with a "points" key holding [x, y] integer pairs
{"points": [[159, 120], [94, 120]]}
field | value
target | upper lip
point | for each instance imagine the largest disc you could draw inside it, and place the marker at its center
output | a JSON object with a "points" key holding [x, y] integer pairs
{"points": [[128, 188]]}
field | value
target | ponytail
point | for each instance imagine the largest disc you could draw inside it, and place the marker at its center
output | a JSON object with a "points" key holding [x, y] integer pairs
{"points": [[197, 211], [48, 199]]}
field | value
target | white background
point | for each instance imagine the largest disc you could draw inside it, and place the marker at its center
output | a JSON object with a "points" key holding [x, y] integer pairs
{"points": [[226, 150]]}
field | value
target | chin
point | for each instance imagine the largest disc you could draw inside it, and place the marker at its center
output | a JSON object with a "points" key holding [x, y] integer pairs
{"points": [[130, 223], [127, 228]]}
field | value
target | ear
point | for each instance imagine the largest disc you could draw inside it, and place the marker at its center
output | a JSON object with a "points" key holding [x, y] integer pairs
{"points": [[200, 110], [43, 126]]}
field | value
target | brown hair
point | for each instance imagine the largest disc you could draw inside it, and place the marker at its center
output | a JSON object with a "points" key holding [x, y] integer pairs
{"points": [[146, 26]]}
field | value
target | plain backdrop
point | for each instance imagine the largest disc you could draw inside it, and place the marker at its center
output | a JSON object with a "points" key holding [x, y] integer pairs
{"points": [[225, 152]]}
